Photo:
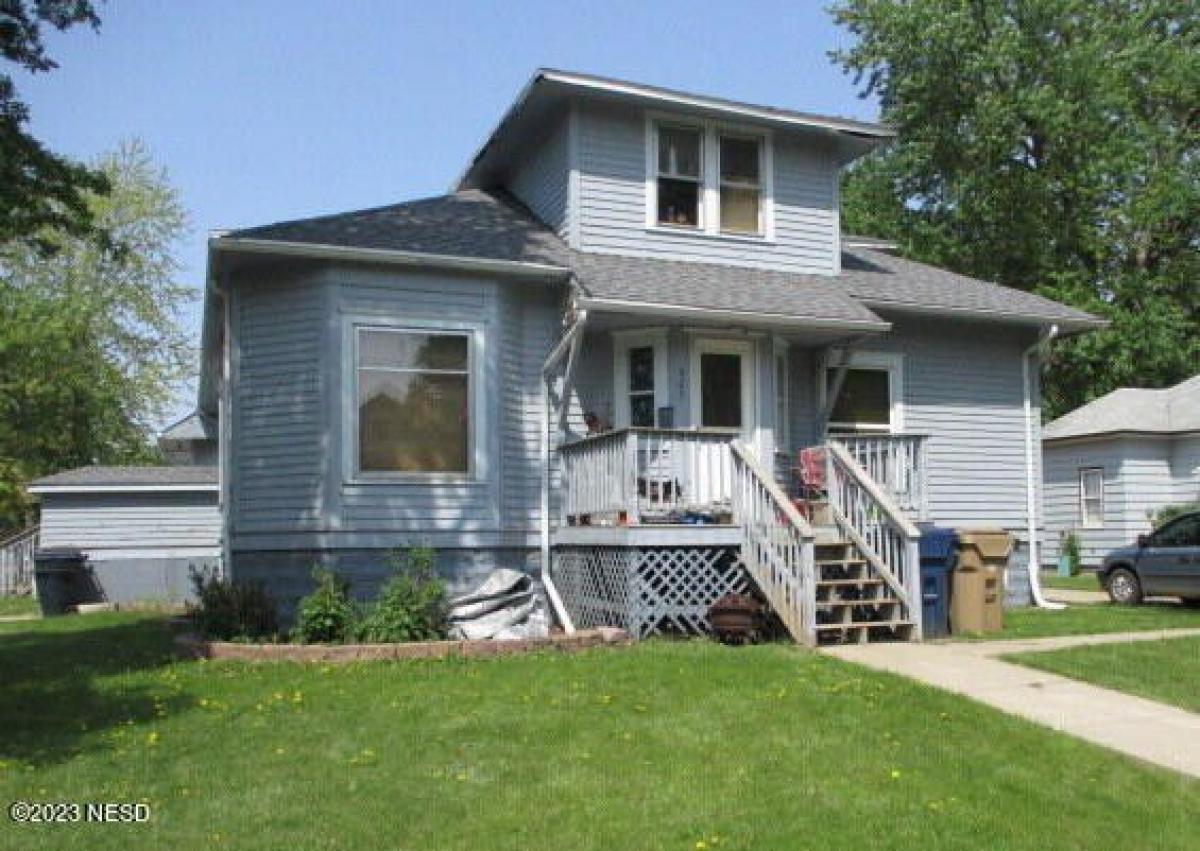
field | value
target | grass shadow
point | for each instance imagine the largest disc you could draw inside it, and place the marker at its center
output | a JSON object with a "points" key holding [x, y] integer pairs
{"points": [[61, 682]]}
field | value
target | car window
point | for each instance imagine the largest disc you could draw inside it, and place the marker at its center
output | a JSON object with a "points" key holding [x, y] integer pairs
{"points": [[1184, 532]]}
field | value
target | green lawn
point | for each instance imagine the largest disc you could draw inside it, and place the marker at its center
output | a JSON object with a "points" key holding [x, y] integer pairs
{"points": [[1167, 670], [10, 606], [1092, 618], [684, 746], [1082, 582]]}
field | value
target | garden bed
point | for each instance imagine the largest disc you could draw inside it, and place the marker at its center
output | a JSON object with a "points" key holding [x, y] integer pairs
{"points": [[243, 652]]}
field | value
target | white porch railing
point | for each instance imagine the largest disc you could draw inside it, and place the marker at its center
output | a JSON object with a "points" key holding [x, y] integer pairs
{"points": [[632, 474], [875, 522], [16, 562], [896, 461], [777, 545]]}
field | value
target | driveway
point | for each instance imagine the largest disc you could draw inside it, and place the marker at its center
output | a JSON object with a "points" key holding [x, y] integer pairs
{"points": [[1150, 731]]}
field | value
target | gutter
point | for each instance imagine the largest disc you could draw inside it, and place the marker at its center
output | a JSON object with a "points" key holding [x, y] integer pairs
{"points": [[116, 488], [1034, 566], [1071, 326], [752, 317], [394, 257]]}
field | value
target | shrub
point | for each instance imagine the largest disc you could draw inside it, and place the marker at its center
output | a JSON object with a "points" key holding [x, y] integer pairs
{"points": [[411, 605], [227, 610], [1168, 513], [327, 614], [1070, 550]]}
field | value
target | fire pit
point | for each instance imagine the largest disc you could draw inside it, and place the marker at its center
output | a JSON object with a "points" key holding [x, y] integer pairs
{"points": [[736, 619]]}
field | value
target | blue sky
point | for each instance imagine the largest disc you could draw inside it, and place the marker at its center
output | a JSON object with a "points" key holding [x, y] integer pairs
{"points": [[277, 109]]}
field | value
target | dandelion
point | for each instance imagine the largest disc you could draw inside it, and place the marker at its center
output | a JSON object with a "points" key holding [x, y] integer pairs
{"points": [[895, 774], [280, 751], [152, 738], [701, 845]]}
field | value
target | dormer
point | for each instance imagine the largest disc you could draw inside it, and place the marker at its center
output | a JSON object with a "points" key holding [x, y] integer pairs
{"points": [[623, 168]]}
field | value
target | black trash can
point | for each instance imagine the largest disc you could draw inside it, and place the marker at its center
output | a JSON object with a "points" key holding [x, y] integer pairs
{"points": [[63, 580], [938, 552]]}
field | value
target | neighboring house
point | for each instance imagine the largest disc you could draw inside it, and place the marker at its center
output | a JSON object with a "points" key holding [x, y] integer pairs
{"points": [[1114, 461], [628, 314]]}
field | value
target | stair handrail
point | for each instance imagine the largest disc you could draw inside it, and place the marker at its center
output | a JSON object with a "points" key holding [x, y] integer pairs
{"points": [[907, 586], [17, 559], [778, 555]]}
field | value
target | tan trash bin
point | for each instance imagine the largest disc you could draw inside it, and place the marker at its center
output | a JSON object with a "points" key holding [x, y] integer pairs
{"points": [[977, 595]]}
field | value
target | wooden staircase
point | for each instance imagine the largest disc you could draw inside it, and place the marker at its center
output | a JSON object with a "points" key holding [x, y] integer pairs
{"points": [[854, 578], [854, 605]]}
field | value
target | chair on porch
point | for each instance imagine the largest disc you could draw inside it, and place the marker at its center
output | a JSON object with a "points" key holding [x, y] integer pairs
{"points": [[809, 479]]}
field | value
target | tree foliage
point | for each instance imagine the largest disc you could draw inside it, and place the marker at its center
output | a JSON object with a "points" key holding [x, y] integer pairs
{"points": [[38, 188], [1051, 145], [91, 343]]}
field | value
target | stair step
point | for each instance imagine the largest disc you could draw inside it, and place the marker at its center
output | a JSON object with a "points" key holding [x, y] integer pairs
{"points": [[832, 583], [881, 601], [825, 627], [839, 562]]}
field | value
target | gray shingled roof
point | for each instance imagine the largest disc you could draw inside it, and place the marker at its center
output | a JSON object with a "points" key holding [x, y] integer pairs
{"points": [[881, 280], [493, 226], [1129, 409], [469, 223], [129, 477], [718, 287]]}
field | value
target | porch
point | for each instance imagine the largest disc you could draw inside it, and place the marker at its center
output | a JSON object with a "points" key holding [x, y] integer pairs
{"points": [[656, 524]]}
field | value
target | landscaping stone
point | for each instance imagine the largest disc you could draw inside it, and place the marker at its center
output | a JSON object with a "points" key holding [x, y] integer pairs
{"points": [[229, 650]]}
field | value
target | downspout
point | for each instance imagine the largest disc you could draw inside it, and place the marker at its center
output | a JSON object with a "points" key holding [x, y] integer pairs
{"points": [[562, 347], [1034, 567]]}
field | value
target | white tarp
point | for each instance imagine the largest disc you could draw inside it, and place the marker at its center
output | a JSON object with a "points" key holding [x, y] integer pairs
{"points": [[503, 607]]}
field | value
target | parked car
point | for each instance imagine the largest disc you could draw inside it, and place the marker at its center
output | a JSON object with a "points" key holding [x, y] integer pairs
{"points": [[1164, 563]]}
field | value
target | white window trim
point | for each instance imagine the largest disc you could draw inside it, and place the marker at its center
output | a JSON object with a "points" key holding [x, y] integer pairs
{"points": [[710, 177], [1084, 522], [745, 348], [477, 356], [623, 341], [893, 363], [783, 397]]}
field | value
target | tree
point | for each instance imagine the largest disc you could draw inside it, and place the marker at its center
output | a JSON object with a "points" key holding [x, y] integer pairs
{"points": [[1050, 145], [91, 342], [38, 188]]}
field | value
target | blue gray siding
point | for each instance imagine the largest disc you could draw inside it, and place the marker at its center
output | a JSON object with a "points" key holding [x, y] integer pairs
{"points": [[1062, 464], [542, 179], [1185, 467], [134, 524], [293, 479], [963, 388], [612, 200]]}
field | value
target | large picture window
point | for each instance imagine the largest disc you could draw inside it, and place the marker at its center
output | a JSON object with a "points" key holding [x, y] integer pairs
{"points": [[413, 401]]}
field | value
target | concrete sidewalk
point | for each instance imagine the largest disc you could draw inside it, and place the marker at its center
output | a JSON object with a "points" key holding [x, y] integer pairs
{"points": [[1154, 732]]}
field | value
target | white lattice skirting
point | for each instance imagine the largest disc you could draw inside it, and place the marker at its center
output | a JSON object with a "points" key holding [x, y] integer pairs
{"points": [[646, 590]]}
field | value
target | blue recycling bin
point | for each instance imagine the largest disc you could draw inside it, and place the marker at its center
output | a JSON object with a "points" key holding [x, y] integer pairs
{"points": [[938, 552]]}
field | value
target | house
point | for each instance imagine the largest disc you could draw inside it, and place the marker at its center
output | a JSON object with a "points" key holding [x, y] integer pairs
{"points": [[143, 529], [596, 357], [1112, 463]]}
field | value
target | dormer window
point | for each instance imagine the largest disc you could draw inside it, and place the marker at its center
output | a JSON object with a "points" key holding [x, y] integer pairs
{"points": [[680, 190], [741, 186], [708, 177]]}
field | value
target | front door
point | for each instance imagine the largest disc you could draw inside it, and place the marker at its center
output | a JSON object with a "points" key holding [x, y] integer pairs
{"points": [[723, 386]]}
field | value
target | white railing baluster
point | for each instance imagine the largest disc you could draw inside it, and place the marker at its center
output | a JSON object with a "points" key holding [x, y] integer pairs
{"points": [[895, 461], [874, 520]]}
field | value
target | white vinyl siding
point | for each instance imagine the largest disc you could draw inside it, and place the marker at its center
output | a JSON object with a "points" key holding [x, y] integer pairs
{"points": [[164, 524]]}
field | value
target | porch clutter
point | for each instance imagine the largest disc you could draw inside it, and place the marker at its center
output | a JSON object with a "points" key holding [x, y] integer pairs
{"points": [[504, 607]]}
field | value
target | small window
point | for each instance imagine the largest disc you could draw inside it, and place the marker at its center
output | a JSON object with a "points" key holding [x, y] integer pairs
{"points": [[680, 152], [740, 185], [641, 386], [1091, 497], [865, 400], [414, 391]]}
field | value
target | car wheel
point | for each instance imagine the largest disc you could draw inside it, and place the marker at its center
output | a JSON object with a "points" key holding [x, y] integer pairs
{"points": [[1191, 602], [1124, 587]]}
